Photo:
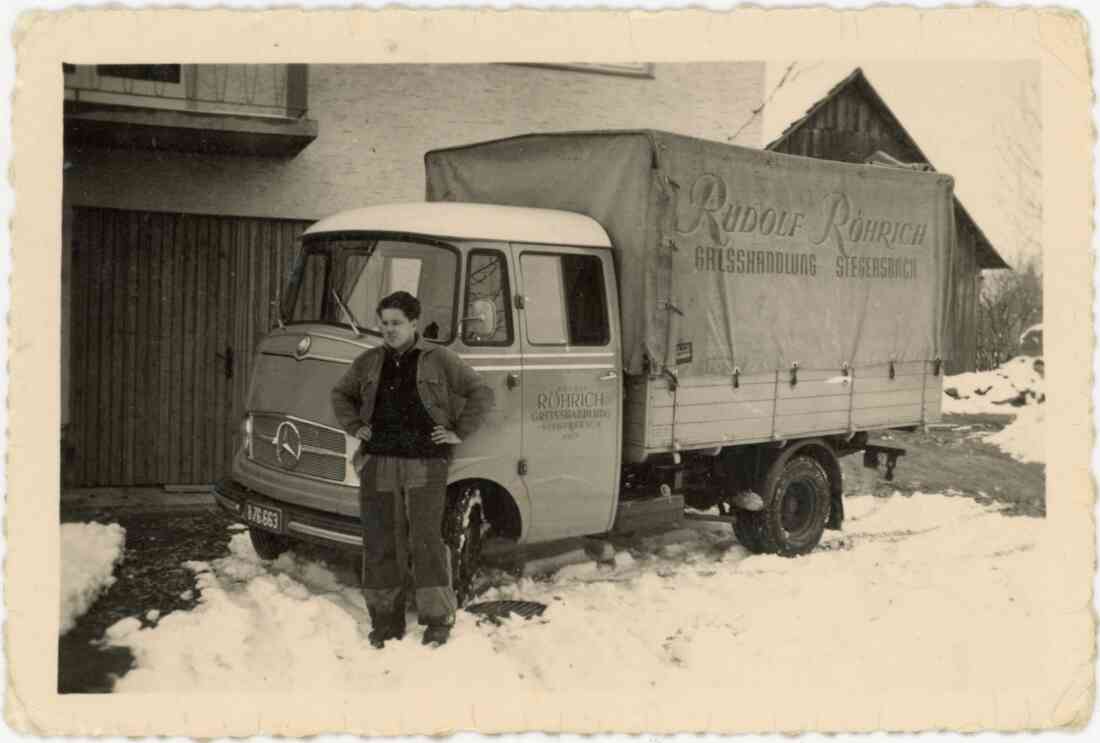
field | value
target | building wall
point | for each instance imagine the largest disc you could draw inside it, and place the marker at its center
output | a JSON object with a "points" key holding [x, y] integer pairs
{"points": [[376, 122]]}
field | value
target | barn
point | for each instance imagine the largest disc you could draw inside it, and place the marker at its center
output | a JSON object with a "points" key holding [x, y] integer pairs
{"points": [[852, 123]]}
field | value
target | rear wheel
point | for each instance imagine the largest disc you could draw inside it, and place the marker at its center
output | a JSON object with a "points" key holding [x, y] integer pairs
{"points": [[267, 545], [464, 526], [797, 503]]}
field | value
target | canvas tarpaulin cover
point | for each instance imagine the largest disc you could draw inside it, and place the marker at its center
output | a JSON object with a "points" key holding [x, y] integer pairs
{"points": [[733, 259]]}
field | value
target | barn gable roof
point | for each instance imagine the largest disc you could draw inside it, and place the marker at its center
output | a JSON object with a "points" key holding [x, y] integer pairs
{"points": [[987, 255]]}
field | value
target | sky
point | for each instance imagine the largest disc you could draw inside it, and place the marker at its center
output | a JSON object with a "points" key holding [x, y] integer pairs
{"points": [[969, 118]]}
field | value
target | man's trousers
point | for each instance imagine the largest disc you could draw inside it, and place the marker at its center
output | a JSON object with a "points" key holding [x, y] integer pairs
{"points": [[401, 503]]}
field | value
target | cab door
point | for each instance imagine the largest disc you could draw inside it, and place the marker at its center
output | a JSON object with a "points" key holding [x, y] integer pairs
{"points": [[488, 340], [572, 388]]}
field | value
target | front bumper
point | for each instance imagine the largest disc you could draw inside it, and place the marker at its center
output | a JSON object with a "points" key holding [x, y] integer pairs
{"points": [[334, 530]]}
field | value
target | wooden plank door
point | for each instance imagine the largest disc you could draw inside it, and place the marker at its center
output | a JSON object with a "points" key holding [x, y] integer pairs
{"points": [[166, 309]]}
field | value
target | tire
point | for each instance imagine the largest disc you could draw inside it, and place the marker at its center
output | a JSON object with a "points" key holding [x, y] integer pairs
{"points": [[797, 504], [463, 529], [746, 527], [267, 545]]}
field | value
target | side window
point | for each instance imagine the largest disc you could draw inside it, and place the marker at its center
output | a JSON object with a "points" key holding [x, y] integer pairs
{"points": [[545, 303], [566, 302], [487, 281], [586, 300]]}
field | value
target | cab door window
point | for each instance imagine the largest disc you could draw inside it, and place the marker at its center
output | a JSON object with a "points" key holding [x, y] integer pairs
{"points": [[487, 285], [565, 299]]}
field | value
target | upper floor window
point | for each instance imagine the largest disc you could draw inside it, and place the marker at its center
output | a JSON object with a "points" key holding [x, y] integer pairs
{"points": [[158, 73]]}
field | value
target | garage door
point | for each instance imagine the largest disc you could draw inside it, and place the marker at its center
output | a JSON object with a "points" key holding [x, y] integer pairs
{"points": [[166, 309]]}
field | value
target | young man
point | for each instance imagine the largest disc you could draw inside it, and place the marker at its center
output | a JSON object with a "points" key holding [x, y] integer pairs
{"points": [[410, 402]]}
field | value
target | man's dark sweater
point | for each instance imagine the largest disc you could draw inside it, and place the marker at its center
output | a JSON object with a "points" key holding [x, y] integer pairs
{"points": [[400, 426]]}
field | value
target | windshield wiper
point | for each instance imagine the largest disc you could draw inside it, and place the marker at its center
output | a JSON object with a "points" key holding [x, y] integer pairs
{"points": [[347, 313]]}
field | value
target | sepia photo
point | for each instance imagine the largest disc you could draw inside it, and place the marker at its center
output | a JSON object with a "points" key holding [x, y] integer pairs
{"points": [[535, 393]]}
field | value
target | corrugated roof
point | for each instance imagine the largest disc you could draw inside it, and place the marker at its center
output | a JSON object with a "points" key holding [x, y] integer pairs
{"points": [[988, 257]]}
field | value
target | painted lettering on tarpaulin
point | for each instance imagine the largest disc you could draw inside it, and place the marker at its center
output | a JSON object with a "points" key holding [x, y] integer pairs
{"points": [[709, 206], [838, 224], [740, 260], [846, 225]]}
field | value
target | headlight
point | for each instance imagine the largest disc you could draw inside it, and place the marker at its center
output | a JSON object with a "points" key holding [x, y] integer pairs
{"points": [[246, 435]]}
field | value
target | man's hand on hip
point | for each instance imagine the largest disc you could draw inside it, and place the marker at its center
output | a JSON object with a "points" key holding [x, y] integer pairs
{"points": [[441, 435]]}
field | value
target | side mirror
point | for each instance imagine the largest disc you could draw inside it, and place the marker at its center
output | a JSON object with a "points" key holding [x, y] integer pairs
{"points": [[483, 322]]}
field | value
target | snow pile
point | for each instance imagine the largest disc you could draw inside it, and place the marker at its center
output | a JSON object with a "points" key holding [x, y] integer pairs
{"points": [[1015, 388], [89, 553], [930, 584], [1025, 437], [1003, 390]]}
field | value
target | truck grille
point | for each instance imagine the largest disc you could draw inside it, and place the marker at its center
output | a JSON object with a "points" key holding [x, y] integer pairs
{"points": [[265, 424], [330, 463]]}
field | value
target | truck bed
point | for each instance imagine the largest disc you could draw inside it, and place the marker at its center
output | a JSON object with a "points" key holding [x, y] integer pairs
{"points": [[705, 412]]}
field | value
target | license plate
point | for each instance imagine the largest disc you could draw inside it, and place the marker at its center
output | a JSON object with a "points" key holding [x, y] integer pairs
{"points": [[263, 517]]}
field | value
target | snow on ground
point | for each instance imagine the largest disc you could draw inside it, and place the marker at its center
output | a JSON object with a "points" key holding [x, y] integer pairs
{"points": [[89, 553], [992, 391], [704, 613], [1015, 388]]}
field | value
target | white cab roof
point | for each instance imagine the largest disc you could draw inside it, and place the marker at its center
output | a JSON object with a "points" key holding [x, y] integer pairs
{"points": [[471, 222]]}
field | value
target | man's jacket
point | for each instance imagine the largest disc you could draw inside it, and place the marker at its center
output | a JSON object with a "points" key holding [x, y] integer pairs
{"points": [[454, 395]]}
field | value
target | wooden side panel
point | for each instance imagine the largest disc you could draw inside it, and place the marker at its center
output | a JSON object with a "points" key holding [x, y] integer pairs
{"points": [[711, 412], [818, 402], [878, 400], [933, 397], [158, 300]]}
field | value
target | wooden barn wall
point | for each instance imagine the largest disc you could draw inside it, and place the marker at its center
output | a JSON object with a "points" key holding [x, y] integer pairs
{"points": [[961, 320], [849, 128], [166, 311]]}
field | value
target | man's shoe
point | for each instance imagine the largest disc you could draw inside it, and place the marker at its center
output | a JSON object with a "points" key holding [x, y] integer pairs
{"points": [[386, 627], [436, 634]]}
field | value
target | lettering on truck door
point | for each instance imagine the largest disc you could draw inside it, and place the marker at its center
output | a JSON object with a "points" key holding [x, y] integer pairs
{"points": [[572, 388]]}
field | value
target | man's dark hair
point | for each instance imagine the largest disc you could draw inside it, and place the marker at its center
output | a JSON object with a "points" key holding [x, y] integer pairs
{"points": [[403, 301]]}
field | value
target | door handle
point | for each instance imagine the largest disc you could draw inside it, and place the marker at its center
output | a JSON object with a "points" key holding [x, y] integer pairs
{"points": [[609, 376], [511, 381], [227, 357]]}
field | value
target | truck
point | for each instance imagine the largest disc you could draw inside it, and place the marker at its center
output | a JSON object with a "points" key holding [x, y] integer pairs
{"points": [[673, 328]]}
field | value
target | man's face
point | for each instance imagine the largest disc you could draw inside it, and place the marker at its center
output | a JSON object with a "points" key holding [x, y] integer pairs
{"points": [[397, 330]]}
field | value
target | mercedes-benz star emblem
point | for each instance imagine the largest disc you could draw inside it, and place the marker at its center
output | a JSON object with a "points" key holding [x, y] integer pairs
{"points": [[303, 347], [288, 445]]}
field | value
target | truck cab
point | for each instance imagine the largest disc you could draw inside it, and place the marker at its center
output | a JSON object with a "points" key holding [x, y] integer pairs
{"points": [[527, 297]]}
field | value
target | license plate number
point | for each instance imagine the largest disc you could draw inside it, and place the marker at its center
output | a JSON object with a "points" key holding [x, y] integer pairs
{"points": [[263, 517]]}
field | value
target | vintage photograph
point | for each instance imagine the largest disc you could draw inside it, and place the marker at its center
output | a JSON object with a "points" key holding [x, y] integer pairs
{"points": [[572, 376], [426, 373]]}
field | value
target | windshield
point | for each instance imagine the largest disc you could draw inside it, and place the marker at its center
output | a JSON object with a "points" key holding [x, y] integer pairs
{"points": [[361, 270]]}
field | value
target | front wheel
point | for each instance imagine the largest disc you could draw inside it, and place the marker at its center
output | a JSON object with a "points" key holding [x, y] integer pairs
{"points": [[267, 545], [746, 527], [463, 528]]}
